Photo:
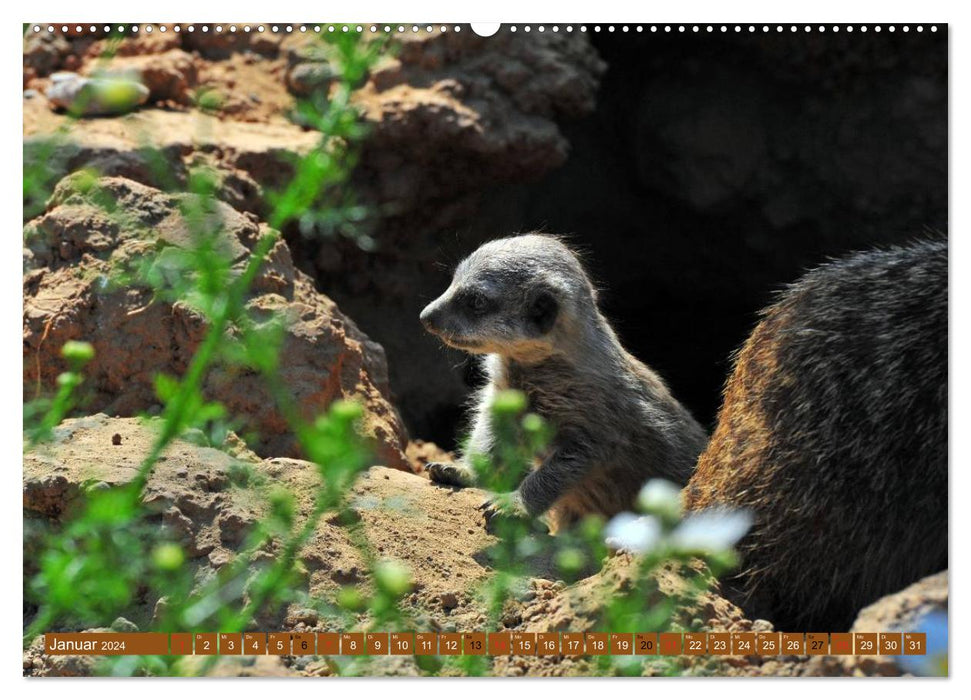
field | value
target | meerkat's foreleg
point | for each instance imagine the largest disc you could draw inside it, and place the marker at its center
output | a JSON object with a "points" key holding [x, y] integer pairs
{"points": [[562, 470]]}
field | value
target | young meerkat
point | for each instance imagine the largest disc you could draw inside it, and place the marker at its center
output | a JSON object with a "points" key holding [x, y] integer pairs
{"points": [[527, 305]]}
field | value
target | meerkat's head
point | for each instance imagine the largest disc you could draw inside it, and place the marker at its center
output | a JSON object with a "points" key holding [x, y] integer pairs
{"points": [[520, 297]]}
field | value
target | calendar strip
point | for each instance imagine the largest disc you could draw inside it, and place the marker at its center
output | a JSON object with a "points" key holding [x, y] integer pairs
{"points": [[485, 643]]}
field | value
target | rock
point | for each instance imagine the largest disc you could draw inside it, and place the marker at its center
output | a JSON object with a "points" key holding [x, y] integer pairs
{"points": [[403, 515], [44, 52], [449, 601], [73, 248], [902, 611], [494, 106], [41, 664], [168, 76], [122, 625], [905, 611], [304, 79], [96, 96], [221, 45], [420, 453], [304, 616], [762, 626], [246, 156]]}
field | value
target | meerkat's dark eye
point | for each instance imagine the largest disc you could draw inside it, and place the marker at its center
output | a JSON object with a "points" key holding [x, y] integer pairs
{"points": [[476, 302], [542, 310]]}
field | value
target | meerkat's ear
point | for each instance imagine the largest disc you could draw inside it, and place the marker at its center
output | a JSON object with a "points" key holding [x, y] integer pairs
{"points": [[542, 309]]}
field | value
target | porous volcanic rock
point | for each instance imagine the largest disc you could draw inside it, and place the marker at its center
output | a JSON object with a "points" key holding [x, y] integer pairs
{"points": [[76, 248], [903, 611]]}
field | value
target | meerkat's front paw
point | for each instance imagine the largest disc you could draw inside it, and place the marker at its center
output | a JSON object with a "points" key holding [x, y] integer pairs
{"points": [[503, 505], [449, 474]]}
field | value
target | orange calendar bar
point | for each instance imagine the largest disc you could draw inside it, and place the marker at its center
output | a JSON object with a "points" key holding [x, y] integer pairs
{"points": [[571, 644], [768, 643], [669, 643], [524, 643], [695, 643], [915, 643], [548, 644], [744, 644], [328, 643], [254, 643], [598, 643], [474, 643], [890, 643], [719, 643], [376, 643], [426, 644], [482, 643], [449, 643], [230, 644], [841, 643], [793, 643], [352, 644], [866, 643], [278, 643], [106, 643], [621, 644], [645, 643], [303, 644], [400, 643], [500, 643], [180, 644], [817, 643], [206, 643]]}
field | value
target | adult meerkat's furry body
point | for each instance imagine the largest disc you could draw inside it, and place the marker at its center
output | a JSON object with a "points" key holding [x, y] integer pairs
{"points": [[527, 304], [833, 434]]}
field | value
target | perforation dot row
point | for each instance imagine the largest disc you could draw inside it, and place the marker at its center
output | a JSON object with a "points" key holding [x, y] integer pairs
{"points": [[414, 28], [245, 28]]}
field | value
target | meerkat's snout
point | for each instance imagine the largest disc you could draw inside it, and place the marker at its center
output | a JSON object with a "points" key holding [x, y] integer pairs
{"points": [[430, 316]]}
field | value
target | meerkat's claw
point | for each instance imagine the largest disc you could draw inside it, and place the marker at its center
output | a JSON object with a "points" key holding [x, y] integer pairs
{"points": [[506, 505]]}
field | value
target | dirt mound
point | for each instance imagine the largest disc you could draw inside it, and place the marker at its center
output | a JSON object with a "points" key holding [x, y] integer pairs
{"points": [[208, 499], [76, 247]]}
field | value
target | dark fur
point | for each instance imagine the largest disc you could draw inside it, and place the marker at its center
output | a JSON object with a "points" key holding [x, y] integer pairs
{"points": [[833, 431], [527, 304]]}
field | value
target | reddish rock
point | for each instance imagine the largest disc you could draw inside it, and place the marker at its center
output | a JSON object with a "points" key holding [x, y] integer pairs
{"points": [[75, 248], [168, 76]]}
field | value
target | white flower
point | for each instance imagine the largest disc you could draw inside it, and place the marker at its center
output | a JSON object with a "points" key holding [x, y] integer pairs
{"points": [[660, 497], [712, 530], [633, 533]]}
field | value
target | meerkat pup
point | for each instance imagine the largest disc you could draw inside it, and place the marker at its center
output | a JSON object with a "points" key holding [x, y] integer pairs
{"points": [[526, 304]]}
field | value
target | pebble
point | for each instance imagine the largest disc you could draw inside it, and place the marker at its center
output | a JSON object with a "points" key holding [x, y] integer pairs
{"points": [[761, 626], [95, 96], [122, 625]]}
